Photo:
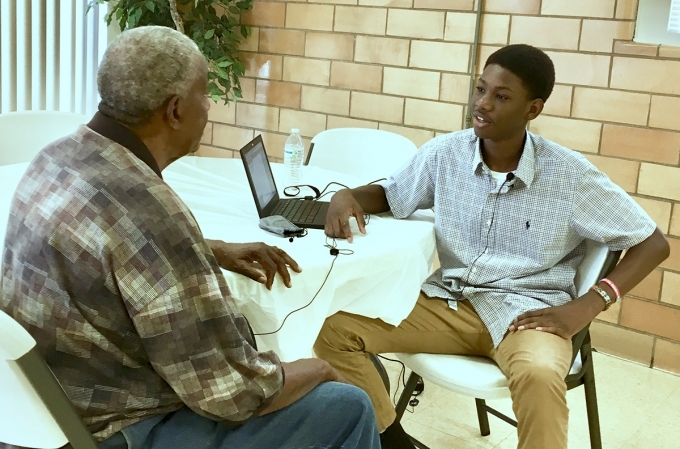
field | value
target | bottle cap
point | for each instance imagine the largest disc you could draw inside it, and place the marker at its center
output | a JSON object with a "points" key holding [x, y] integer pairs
{"points": [[295, 131]]}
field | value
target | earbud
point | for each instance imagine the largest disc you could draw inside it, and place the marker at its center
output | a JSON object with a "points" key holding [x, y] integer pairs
{"points": [[334, 251], [290, 240]]}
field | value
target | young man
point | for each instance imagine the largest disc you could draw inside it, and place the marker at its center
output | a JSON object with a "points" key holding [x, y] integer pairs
{"points": [[108, 270], [512, 212]]}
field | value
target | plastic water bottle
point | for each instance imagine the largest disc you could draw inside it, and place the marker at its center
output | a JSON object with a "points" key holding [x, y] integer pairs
{"points": [[293, 153]]}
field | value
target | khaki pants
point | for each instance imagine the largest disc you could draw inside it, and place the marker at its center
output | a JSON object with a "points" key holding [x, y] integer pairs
{"points": [[535, 363]]}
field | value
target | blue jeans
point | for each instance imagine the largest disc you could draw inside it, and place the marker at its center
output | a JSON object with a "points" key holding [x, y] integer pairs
{"points": [[332, 416]]}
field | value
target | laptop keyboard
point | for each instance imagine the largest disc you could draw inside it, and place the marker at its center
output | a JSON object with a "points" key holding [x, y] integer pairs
{"points": [[298, 211]]}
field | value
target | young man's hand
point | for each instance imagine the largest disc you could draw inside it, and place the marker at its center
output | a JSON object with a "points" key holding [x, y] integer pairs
{"points": [[565, 320], [242, 258]]}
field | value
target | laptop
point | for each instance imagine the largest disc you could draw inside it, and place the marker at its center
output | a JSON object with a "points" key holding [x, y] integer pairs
{"points": [[302, 213]]}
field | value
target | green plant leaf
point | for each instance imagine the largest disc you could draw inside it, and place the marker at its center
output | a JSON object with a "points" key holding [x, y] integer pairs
{"points": [[150, 5], [209, 34]]}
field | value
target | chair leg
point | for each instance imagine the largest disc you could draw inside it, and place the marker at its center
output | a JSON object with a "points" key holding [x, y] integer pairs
{"points": [[417, 443], [483, 417], [591, 408], [405, 396], [381, 370]]}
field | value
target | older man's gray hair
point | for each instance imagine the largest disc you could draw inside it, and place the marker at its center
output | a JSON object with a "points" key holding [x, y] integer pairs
{"points": [[142, 69]]}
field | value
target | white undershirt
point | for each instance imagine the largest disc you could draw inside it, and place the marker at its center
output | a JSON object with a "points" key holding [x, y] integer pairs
{"points": [[499, 177]]}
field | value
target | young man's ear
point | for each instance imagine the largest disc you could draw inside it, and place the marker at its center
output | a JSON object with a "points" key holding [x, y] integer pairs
{"points": [[172, 112], [535, 109]]}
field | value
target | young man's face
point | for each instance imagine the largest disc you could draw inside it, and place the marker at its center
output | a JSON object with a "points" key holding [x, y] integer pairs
{"points": [[501, 105]]}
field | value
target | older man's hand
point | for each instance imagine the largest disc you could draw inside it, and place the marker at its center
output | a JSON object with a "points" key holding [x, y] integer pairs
{"points": [[258, 261]]}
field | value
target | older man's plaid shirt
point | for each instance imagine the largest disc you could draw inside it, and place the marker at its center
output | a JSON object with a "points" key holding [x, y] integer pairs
{"points": [[106, 267], [522, 256]]}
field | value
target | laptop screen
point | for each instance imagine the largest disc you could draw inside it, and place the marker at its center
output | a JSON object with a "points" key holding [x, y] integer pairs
{"points": [[262, 180]]}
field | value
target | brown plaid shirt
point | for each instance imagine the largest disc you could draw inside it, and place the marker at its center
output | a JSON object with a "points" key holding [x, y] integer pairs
{"points": [[108, 270]]}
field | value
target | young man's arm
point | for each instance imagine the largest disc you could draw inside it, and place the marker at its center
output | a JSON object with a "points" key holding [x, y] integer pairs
{"points": [[570, 318], [348, 203]]}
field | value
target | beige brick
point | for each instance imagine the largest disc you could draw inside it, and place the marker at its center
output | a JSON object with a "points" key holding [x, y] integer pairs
{"points": [[262, 66], [309, 123], [223, 113], [513, 6], [418, 24], [670, 291], [633, 48], [268, 14], [330, 46], [675, 220], [252, 42], [206, 138], [622, 173], [433, 115], [445, 5], [611, 105], [647, 75], [660, 211], [622, 343], [411, 83], [667, 356], [387, 3], [455, 88], [346, 122], [356, 19], [495, 29], [660, 181], [290, 42], [307, 71], [382, 50], [577, 135], [231, 137], [650, 286], [356, 76], [417, 136], [440, 56], [579, 68], [664, 112], [559, 102], [460, 27], [329, 101], [673, 261], [247, 89], [309, 17], [612, 314], [634, 143], [599, 35], [652, 317], [257, 116], [579, 8], [669, 51], [274, 143], [277, 93], [484, 52], [376, 107], [541, 32], [210, 151], [339, 2], [626, 9]]}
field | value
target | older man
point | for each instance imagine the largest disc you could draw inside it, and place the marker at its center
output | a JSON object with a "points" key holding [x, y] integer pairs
{"points": [[106, 267]]}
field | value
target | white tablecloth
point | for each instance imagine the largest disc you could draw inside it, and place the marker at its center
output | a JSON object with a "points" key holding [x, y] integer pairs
{"points": [[380, 280]]}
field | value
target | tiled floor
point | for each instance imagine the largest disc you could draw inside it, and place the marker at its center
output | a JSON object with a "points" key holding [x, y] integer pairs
{"points": [[639, 409]]}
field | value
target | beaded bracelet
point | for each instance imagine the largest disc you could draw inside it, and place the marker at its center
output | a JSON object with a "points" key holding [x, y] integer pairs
{"points": [[605, 296], [613, 286]]}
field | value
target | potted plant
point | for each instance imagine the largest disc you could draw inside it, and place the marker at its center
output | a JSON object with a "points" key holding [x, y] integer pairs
{"points": [[212, 24]]}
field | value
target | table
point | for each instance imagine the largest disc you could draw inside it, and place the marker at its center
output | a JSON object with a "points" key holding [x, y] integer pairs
{"points": [[380, 280]]}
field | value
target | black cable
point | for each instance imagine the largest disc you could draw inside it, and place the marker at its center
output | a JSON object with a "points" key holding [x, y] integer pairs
{"points": [[335, 252], [510, 176]]}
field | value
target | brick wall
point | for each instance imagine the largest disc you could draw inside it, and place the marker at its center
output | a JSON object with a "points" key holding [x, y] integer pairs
{"points": [[400, 65]]}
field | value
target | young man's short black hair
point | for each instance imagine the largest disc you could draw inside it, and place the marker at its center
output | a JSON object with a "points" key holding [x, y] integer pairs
{"points": [[531, 65]]}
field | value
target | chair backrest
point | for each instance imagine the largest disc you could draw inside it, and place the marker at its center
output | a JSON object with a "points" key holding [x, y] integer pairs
{"points": [[370, 154], [24, 134], [35, 411]]}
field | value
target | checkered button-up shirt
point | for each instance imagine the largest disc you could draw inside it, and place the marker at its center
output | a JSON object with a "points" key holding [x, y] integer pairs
{"points": [[514, 247], [108, 270]]}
